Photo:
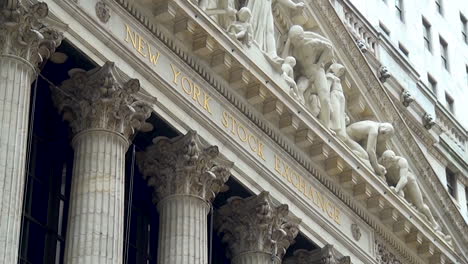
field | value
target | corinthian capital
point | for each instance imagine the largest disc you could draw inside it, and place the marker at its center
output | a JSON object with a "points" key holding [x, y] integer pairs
{"points": [[101, 98], [23, 34], [184, 166], [254, 224], [325, 255]]}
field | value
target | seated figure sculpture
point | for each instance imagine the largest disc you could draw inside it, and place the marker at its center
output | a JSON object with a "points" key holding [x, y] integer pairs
{"points": [[315, 53], [222, 11], [372, 135], [405, 184], [242, 29]]}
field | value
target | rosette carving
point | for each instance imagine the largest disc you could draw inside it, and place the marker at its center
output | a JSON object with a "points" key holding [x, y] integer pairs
{"points": [[101, 98], [184, 166], [325, 255], [23, 34], [254, 224]]}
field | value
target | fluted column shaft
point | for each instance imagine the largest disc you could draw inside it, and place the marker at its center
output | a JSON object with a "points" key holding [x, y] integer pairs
{"points": [[15, 89], [183, 230], [95, 229], [254, 257], [186, 175], [103, 113]]}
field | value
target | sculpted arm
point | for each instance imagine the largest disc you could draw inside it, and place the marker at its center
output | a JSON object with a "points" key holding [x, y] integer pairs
{"points": [[371, 151], [403, 165], [291, 4]]}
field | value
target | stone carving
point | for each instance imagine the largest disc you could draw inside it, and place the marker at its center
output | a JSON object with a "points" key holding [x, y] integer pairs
{"points": [[384, 74], [325, 255], [356, 231], [373, 136], [362, 45], [242, 29], [288, 75], [337, 100], [406, 98], [315, 52], [403, 181], [428, 121], [184, 165], [384, 256], [102, 11], [263, 24], [101, 98], [23, 34], [254, 224], [222, 11]]}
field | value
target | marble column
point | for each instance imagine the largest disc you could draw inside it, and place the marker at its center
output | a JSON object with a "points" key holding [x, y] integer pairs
{"points": [[186, 175], [103, 113], [256, 231], [325, 255], [24, 43]]}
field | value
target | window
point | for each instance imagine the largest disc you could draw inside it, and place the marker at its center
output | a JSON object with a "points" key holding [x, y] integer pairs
{"points": [[432, 84], [464, 25], [384, 29], [427, 34], [399, 9], [466, 199], [45, 211], [403, 49], [444, 53], [450, 102], [451, 183], [439, 7]]}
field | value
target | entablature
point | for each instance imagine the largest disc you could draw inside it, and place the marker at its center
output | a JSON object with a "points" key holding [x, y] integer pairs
{"points": [[290, 125]]}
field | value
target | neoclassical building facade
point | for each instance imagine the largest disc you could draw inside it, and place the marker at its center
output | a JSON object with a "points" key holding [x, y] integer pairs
{"points": [[211, 131]]}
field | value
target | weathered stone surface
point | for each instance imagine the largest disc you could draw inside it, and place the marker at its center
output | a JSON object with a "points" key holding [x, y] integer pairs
{"points": [[255, 230]]}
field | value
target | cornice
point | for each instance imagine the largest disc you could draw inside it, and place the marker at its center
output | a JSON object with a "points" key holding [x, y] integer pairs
{"points": [[272, 132]]}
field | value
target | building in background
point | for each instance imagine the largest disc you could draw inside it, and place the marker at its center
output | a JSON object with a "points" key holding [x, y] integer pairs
{"points": [[424, 47], [230, 131]]}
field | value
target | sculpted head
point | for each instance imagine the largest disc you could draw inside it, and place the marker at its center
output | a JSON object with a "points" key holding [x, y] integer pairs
{"points": [[296, 33], [244, 14], [337, 69], [386, 129], [290, 60], [387, 157]]}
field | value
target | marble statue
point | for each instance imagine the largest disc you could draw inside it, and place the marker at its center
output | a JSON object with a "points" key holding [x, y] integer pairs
{"points": [[337, 100], [264, 26], [242, 29], [373, 136], [405, 184], [315, 52], [288, 75], [307, 96], [222, 11]]}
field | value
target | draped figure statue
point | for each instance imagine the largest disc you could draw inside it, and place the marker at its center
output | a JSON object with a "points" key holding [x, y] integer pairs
{"points": [[263, 23]]}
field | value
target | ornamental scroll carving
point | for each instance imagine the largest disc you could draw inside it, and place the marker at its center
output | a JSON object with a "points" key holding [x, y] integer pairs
{"points": [[23, 34], [384, 256], [255, 224], [184, 166], [101, 98]]}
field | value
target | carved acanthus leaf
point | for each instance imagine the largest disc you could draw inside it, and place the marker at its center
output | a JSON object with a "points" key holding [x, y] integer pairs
{"points": [[23, 34], [255, 224], [184, 165], [101, 98], [325, 255]]}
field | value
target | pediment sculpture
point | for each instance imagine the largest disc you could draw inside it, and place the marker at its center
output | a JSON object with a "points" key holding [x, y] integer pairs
{"points": [[314, 79]]}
